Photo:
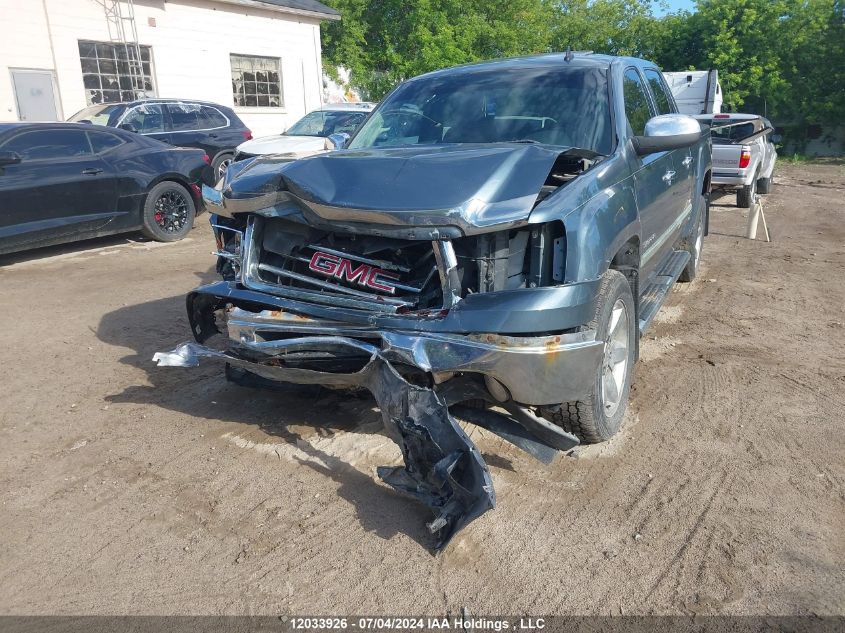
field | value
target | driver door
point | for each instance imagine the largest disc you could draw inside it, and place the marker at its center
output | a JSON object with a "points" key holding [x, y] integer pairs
{"points": [[59, 188], [654, 177]]}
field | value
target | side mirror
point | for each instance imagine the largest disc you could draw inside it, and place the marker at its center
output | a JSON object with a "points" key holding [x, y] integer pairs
{"points": [[775, 138], [338, 140], [666, 132], [129, 127], [9, 158]]}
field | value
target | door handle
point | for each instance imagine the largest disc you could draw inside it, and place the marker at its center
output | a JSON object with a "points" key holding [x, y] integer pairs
{"points": [[688, 161], [667, 177], [92, 171], [212, 136]]}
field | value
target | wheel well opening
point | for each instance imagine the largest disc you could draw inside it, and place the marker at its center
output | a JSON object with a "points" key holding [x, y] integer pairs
{"points": [[627, 262]]}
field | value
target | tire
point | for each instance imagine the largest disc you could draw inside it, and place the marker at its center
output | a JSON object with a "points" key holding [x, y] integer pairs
{"points": [[764, 185], [595, 418], [220, 164], [745, 195], [695, 245], [169, 212]]}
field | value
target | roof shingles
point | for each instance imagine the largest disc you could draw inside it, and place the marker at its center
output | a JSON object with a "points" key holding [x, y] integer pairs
{"points": [[310, 6]]}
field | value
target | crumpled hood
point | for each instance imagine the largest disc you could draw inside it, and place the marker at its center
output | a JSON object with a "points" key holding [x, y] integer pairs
{"points": [[465, 186], [281, 144]]}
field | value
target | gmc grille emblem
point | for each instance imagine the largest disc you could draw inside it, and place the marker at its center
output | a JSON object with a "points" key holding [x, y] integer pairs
{"points": [[342, 268]]}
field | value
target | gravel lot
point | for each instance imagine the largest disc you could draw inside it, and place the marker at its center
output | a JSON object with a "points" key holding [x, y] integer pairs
{"points": [[131, 489]]}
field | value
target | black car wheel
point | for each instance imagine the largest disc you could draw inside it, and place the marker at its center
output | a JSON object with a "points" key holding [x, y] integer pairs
{"points": [[169, 212]]}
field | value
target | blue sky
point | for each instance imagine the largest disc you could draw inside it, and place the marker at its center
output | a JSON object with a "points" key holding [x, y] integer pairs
{"points": [[675, 5]]}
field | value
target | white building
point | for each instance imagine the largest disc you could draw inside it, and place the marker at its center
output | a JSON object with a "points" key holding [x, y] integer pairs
{"points": [[261, 57]]}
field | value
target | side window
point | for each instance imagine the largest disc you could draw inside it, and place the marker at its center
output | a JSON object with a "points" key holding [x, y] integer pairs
{"points": [[348, 123], [184, 117], [146, 119], [636, 103], [102, 142], [662, 97], [211, 118], [53, 144]]}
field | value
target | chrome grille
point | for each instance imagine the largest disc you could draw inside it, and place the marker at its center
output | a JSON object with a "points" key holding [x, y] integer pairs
{"points": [[348, 270]]}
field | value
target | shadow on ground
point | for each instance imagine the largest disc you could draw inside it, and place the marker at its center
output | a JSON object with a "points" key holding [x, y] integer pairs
{"points": [[203, 392]]}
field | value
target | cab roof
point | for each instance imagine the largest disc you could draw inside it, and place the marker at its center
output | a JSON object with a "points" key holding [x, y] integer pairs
{"points": [[577, 59]]}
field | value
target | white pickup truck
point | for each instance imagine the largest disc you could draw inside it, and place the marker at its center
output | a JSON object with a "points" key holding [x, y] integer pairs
{"points": [[743, 154]]}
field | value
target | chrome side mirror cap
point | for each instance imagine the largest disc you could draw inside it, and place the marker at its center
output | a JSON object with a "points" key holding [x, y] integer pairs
{"points": [[666, 132]]}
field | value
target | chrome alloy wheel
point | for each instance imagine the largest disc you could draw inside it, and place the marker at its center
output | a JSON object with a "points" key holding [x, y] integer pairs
{"points": [[222, 167], [171, 211], [615, 362], [699, 241]]}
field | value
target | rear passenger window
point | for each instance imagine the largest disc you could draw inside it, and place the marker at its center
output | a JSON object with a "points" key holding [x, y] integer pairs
{"points": [[145, 119], [662, 99], [102, 142], [212, 118], [636, 103], [44, 144], [184, 116]]}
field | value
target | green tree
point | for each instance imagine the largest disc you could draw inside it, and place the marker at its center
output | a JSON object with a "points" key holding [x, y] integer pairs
{"points": [[386, 41], [785, 58]]}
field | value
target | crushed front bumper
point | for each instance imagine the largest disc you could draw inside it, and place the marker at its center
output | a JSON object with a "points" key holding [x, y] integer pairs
{"points": [[443, 468]]}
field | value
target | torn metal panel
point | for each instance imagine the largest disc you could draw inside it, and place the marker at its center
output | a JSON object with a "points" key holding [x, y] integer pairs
{"points": [[443, 468], [536, 370]]}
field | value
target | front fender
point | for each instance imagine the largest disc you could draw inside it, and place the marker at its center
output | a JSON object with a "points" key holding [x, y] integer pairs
{"points": [[598, 230]]}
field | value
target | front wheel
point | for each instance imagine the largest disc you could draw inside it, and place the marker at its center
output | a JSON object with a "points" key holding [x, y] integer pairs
{"points": [[169, 212], [695, 245], [598, 417]]}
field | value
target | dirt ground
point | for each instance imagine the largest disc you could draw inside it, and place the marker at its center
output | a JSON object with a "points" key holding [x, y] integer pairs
{"points": [[129, 489]]}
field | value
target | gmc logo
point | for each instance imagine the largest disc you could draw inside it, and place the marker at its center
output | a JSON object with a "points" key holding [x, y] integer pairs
{"points": [[364, 275]]}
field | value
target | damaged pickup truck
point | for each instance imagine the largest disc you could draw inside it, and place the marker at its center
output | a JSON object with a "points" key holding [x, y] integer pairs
{"points": [[489, 246]]}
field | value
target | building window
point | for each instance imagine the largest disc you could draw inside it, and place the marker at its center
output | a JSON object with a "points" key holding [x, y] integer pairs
{"points": [[113, 73], [257, 81]]}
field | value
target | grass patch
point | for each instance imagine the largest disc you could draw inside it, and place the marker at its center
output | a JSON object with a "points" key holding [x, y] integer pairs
{"points": [[803, 159]]}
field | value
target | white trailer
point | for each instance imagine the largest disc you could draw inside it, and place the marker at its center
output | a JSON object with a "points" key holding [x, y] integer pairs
{"points": [[696, 91]]}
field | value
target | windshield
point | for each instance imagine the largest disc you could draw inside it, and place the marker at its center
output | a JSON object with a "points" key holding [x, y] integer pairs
{"points": [[99, 114], [324, 123], [558, 106]]}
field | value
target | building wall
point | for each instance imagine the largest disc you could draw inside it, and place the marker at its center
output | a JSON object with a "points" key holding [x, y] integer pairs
{"points": [[191, 43]]}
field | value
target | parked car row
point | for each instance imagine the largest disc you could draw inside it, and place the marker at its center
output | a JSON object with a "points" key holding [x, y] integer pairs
{"points": [[123, 167], [211, 127]]}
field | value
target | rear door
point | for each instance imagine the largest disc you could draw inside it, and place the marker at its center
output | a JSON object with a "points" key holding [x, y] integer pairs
{"points": [[149, 119], [200, 126], [653, 177], [60, 187]]}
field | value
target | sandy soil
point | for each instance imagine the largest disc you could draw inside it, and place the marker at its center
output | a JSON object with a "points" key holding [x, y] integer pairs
{"points": [[131, 489]]}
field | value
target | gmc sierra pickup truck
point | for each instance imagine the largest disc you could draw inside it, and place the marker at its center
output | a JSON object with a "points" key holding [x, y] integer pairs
{"points": [[489, 246]]}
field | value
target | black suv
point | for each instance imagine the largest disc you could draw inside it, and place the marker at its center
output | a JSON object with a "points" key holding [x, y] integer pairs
{"points": [[211, 127]]}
